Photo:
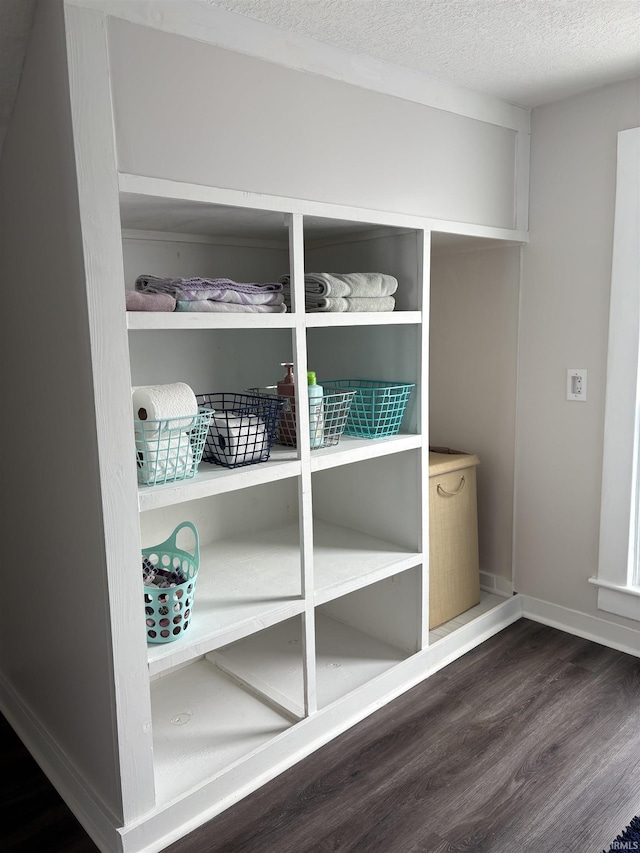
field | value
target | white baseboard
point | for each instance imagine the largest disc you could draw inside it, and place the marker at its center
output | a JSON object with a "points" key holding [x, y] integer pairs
{"points": [[158, 829], [153, 831], [73, 789], [582, 625]]}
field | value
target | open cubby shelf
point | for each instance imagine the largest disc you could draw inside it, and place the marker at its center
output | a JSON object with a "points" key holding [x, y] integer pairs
{"points": [[279, 625], [203, 723]]}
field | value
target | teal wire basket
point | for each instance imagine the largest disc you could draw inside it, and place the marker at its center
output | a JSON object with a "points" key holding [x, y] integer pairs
{"points": [[377, 408], [168, 610], [170, 450]]}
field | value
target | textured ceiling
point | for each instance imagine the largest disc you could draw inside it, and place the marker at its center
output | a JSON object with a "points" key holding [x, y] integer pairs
{"points": [[527, 52]]}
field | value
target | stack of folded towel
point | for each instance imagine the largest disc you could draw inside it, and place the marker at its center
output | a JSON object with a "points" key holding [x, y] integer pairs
{"points": [[216, 294], [339, 292]]}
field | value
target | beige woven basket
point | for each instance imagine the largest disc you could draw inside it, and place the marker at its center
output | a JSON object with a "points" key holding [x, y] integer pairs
{"points": [[454, 578]]}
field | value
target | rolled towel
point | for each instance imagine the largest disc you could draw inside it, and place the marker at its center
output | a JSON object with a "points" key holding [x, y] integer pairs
{"points": [[136, 301], [239, 440], [163, 403], [162, 460], [341, 304], [229, 307]]}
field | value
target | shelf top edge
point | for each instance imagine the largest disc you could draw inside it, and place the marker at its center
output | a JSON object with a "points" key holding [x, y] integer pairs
{"points": [[142, 185], [156, 320]]}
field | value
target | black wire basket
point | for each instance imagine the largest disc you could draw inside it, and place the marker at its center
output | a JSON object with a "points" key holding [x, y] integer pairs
{"points": [[242, 430]]}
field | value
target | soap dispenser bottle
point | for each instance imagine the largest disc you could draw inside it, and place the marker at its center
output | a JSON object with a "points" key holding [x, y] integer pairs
{"points": [[316, 416], [287, 392]]}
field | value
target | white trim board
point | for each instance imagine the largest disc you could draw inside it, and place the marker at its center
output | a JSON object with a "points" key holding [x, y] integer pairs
{"points": [[101, 236], [70, 785], [618, 551], [198, 20], [160, 827], [582, 625], [620, 600]]}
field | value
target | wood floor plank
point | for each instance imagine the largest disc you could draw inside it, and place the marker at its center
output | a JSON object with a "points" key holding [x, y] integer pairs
{"points": [[529, 743], [573, 742], [437, 786], [335, 781]]}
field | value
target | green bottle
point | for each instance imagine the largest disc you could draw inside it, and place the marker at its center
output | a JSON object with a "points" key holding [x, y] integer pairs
{"points": [[316, 417]]}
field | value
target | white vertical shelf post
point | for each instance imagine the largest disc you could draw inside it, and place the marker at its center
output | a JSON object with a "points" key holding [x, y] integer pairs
{"points": [[305, 508], [424, 290], [102, 245]]}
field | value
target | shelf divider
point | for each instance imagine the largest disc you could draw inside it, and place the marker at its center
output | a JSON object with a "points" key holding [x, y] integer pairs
{"points": [[296, 255], [244, 585]]}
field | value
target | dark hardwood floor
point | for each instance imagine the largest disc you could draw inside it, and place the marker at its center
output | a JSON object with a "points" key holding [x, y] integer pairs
{"points": [[528, 744]]}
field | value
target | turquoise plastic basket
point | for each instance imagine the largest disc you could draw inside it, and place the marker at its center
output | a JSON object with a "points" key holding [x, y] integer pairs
{"points": [[168, 612], [377, 408]]}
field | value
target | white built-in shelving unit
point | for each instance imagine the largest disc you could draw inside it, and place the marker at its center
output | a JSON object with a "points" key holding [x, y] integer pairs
{"points": [[312, 579], [313, 584], [311, 608]]}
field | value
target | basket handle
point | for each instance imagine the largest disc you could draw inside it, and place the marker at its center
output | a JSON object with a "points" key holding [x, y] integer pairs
{"points": [[452, 494], [171, 543]]}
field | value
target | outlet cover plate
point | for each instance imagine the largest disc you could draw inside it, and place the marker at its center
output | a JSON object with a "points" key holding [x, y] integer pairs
{"points": [[577, 384]]}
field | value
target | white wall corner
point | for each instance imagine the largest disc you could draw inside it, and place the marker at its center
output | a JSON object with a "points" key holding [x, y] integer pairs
{"points": [[496, 584]]}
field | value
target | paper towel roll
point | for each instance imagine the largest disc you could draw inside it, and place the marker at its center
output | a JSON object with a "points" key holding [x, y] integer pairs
{"points": [[161, 402], [163, 460], [239, 441]]}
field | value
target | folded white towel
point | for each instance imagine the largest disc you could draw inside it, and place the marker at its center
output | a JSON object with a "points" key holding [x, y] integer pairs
{"points": [[355, 284], [341, 304]]}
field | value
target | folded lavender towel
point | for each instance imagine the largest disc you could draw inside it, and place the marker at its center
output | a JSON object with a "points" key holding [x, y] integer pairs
{"points": [[341, 304], [149, 301], [226, 294], [228, 307], [175, 286], [354, 284]]}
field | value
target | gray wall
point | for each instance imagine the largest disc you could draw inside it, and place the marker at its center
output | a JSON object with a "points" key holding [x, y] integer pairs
{"points": [[472, 382], [54, 637], [193, 112], [564, 323]]}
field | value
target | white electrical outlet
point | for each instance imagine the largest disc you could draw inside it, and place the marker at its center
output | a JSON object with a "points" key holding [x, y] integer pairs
{"points": [[577, 384]]}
